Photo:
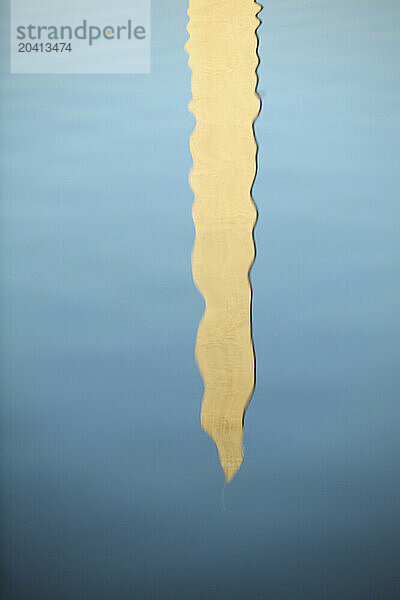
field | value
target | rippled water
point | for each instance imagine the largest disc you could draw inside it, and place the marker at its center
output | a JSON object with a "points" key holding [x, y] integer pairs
{"points": [[110, 488]]}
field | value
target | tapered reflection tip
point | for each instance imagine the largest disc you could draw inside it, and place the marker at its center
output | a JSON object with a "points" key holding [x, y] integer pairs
{"points": [[228, 437]]}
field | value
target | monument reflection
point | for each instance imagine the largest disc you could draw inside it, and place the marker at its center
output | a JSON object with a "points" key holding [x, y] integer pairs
{"points": [[223, 57]]}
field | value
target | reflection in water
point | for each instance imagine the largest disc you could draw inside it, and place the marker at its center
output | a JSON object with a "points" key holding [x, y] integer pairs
{"points": [[223, 57]]}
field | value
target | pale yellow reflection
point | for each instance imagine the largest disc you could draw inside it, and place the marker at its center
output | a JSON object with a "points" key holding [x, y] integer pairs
{"points": [[223, 57]]}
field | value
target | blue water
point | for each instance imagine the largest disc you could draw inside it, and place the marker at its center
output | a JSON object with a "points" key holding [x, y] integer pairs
{"points": [[110, 490]]}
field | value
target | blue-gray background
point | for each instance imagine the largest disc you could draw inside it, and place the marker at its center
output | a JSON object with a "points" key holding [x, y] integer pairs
{"points": [[110, 490]]}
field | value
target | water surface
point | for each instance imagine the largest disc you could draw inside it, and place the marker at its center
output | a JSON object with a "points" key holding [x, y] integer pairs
{"points": [[110, 488]]}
